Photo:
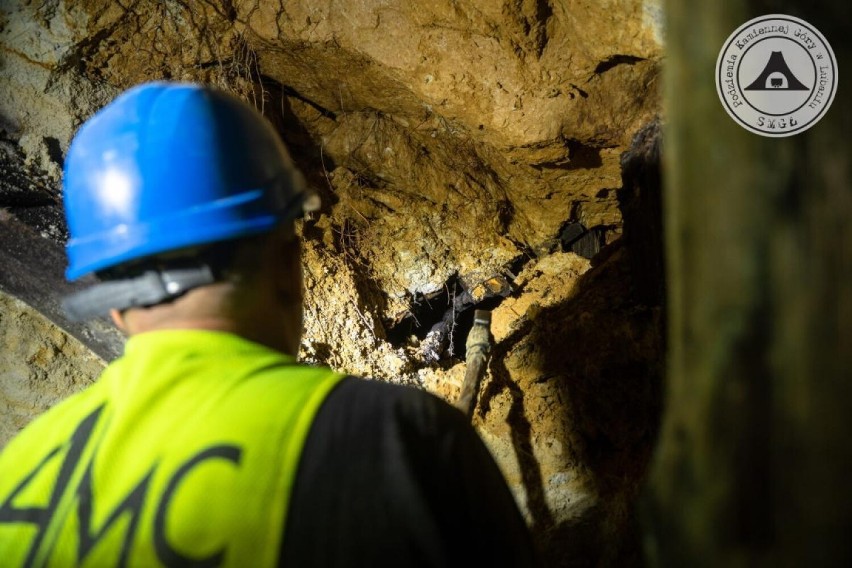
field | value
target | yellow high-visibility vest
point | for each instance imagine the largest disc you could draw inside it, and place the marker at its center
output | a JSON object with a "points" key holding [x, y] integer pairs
{"points": [[182, 453]]}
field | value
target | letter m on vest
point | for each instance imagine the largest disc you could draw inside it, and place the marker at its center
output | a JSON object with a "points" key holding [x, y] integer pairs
{"points": [[51, 508]]}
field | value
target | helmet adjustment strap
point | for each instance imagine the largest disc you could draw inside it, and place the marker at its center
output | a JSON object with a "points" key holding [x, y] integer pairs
{"points": [[151, 288]]}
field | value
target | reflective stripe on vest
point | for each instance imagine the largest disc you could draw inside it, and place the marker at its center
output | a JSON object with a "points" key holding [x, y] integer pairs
{"points": [[183, 453]]}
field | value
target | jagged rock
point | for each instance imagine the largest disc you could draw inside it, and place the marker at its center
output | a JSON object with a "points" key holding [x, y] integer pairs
{"points": [[40, 365], [451, 142]]}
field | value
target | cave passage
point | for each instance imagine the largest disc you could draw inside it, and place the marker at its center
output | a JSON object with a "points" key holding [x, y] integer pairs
{"points": [[442, 321]]}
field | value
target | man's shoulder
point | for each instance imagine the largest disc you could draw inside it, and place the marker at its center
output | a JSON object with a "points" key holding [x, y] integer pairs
{"points": [[371, 400], [391, 471]]}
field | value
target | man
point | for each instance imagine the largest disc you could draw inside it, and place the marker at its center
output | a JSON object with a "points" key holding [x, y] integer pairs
{"points": [[206, 444]]}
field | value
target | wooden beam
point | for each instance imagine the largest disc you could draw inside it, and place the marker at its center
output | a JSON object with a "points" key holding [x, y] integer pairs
{"points": [[754, 462]]}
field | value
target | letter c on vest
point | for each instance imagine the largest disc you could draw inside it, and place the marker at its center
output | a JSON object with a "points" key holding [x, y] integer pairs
{"points": [[168, 555]]}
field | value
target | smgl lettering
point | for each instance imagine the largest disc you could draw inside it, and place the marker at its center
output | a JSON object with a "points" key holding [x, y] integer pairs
{"points": [[777, 123]]}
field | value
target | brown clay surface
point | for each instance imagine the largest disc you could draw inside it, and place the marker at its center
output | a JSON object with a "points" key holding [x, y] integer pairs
{"points": [[452, 142]]}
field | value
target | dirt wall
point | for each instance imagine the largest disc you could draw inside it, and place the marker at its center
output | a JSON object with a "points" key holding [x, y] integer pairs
{"points": [[471, 154], [39, 365]]}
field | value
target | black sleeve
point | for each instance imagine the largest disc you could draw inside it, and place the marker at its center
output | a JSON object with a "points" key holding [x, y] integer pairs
{"points": [[394, 476]]}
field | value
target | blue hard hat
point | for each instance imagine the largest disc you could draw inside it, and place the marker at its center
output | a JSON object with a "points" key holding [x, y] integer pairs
{"points": [[167, 166]]}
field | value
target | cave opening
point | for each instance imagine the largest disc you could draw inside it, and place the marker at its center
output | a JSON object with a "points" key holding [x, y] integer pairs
{"points": [[440, 322], [576, 238], [426, 311]]}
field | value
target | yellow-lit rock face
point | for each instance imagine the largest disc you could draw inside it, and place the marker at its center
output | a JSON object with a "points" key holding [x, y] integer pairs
{"points": [[494, 121], [451, 143], [39, 365], [519, 74]]}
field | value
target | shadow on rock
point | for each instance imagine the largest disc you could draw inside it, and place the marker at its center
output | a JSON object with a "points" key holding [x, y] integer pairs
{"points": [[584, 376]]}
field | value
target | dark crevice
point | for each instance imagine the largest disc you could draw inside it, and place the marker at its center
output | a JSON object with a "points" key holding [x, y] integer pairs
{"points": [[582, 93], [575, 237], [426, 312], [641, 204], [581, 156], [517, 265], [291, 92], [29, 193], [225, 8], [615, 60], [54, 150], [305, 150], [230, 10], [214, 63], [442, 321], [543, 13], [505, 215], [75, 60]]}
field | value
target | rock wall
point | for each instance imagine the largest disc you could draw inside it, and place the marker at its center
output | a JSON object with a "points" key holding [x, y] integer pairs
{"points": [[39, 365], [466, 153]]}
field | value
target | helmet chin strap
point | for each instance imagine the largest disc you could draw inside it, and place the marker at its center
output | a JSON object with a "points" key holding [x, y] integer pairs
{"points": [[151, 288]]}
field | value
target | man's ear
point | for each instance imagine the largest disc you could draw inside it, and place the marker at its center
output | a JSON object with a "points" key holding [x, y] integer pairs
{"points": [[118, 320]]}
